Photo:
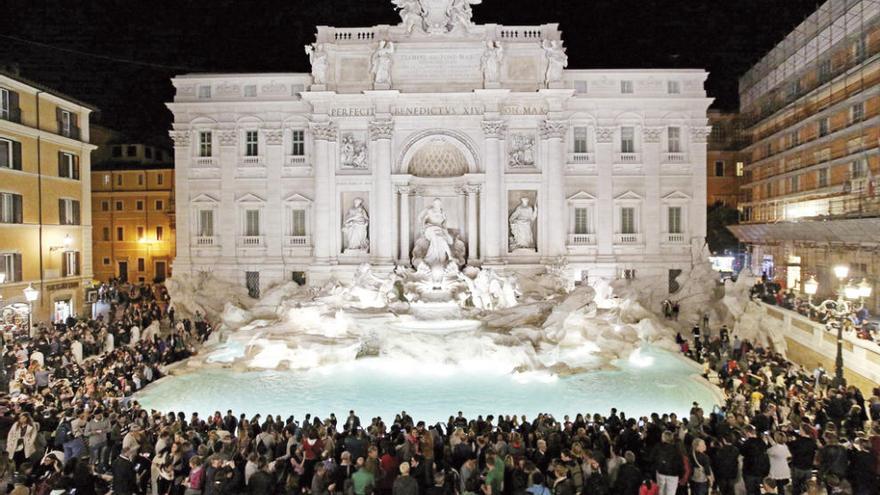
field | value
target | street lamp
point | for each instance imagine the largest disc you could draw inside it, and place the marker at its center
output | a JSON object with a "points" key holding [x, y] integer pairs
{"points": [[811, 287], [841, 272], [840, 312], [864, 289], [31, 295]]}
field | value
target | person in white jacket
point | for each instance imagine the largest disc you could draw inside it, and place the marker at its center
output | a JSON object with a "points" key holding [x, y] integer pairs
{"points": [[21, 440]]}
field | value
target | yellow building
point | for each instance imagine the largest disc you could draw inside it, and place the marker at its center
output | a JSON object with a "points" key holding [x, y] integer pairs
{"points": [[724, 161], [45, 203], [811, 108], [132, 212]]}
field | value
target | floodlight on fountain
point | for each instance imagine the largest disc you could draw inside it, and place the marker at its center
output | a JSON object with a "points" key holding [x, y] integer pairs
{"points": [[864, 289], [811, 286], [851, 292], [841, 271]]}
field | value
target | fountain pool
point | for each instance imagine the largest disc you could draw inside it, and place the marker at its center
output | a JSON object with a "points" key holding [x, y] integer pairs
{"points": [[652, 380]]}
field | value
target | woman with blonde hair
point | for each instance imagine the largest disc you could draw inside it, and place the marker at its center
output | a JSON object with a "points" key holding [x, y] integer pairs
{"points": [[701, 468]]}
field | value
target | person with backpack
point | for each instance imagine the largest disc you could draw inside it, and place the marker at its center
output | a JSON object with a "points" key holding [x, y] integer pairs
{"points": [[649, 487], [668, 463]]}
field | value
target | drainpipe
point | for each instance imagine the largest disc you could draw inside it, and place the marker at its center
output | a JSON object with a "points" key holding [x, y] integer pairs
{"points": [[40, 200]]}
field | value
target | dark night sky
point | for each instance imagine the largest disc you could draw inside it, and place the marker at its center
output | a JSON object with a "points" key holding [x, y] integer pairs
{"points": [[178, 36]]}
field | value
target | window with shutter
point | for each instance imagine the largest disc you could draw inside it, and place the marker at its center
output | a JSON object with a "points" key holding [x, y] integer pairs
{"points": [[106, 234], [160, 233], [10, 208], [75, 206], [5, 153], [68, 165], [5, 109], [62, 211]]}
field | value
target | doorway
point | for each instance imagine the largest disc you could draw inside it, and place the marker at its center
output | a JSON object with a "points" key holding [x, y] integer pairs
{"points": [[123, 271], [63, 310], [160, 271]]}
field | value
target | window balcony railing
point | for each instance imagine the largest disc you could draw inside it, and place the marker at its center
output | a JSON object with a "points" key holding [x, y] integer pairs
{"points": [[581, 239], [628, 158], [627, 238], [205, 241], [251, 241], [251, 161], [672, 238], [205, 161], [585, 157], [296, 161], [298, 241], [674, 157]]}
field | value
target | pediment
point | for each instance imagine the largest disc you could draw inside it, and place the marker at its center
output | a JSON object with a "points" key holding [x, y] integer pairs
{"points": [[297, 198], [204, 198], [676, 196], [581, 196], [628, 196], [250, 198]]}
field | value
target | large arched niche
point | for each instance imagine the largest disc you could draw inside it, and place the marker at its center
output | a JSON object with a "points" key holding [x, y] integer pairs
{"points": [[438, 153]]}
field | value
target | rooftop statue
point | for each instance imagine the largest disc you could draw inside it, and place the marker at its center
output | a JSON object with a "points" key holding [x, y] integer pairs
{"points": [[435, 16]]}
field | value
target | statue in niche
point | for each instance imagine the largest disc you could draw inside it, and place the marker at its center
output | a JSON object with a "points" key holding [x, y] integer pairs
{"points": [[380, 63], [410, 14], [521, 225], [522, 151], [356, 226], [492, 58], [557, 60], [354, 152], [437, 247], [318, 59]]}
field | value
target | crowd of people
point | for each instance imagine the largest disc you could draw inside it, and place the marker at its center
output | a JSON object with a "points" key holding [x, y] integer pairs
{"points": [[781, 429]]}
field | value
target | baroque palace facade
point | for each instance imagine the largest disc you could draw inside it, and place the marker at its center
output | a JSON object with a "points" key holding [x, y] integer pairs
{"points": [[278, 174]]}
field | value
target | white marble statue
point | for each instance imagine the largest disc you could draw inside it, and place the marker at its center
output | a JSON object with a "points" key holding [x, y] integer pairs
{"points": [[355, 228], [461, 14], [380, 63], [318, 59], [433, 222], [491, 62], [410, 14], [354, 152], [521, 225], [557, 60], [522, 151]]}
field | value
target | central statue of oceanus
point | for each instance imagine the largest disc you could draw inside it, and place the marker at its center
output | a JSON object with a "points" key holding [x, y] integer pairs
{"points": [[435, 16]]}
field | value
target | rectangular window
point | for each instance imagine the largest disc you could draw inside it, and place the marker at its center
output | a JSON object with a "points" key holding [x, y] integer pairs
{"points": [[119, 180], [140, 233], [105, 234], [160, 205], [68, 212], [141, 264], [824, 126], [626, 87], [719, 168], [673, 87], [860, 48], [160, 233], [105, 206], [740, 169], [205, 142], [859, 168], [5, 109], [160, 179], [204, 91], [823, 177], [10, 264], [139, 205], [627, 220], [131, 151], [580, 139], [106, 261], [298, 142], [65, 124], [10, 154], [206, 223], [71, 264], [794, 89], [674, 219], [627, 140], [68, 165], [794, 183], [298, 222], [674, 139], [106, 179], [581, 220], [580, 87], [140, 179], [252, 223], [250, 91], [119, 205], [120, 233], [251, 143], [857, 112], [824, 71]]}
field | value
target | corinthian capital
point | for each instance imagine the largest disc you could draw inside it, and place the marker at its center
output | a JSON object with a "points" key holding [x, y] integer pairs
{"points": [[381, 129], [700, 134], [180, 138], [323, 131], [496, 129], [553, 129], [652, 134]]}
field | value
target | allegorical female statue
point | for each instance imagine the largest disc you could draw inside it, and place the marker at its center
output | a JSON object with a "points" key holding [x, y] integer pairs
{"points": [[381, 63], [521, 225], [318, 59], [491, 62], [356, 226]]}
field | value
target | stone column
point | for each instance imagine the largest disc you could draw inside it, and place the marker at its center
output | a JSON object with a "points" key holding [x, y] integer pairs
{"points": [[605, 192], [404, 224], [652, 210], [274, 221], [323, 134], [183, 229], [228, 225], [494, 197], [472, 190], [553, 132], [382, 216]]}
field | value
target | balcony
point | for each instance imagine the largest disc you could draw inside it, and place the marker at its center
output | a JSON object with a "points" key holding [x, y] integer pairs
{"points": [[297, 241], [251, 241], [577, 158], [674, 157], [205, 161], [627, 239], [581, 239], [296, 161], [670, 238], [205, 241], [628, 158], [251, 161]]}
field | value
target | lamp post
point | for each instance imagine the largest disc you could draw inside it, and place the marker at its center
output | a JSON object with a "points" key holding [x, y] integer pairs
{"points": [[31, 295], [841, 311]]}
